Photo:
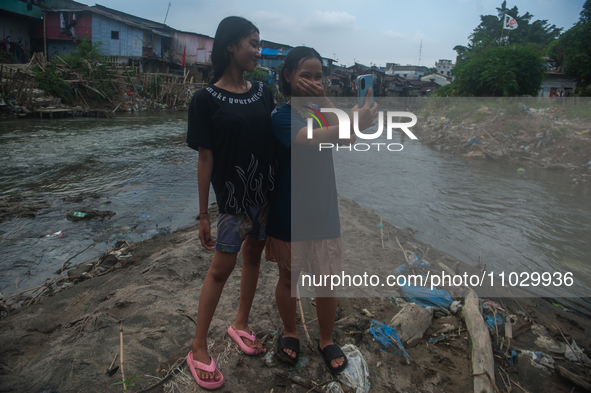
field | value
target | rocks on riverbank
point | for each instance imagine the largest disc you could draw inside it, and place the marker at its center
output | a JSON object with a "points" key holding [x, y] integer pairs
{"points": [[68, 341]]}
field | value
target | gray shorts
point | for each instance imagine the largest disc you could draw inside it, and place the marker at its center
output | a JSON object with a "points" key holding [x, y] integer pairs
{"points": [[233, 228]]}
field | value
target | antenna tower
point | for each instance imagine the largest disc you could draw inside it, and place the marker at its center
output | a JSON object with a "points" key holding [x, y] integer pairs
{"points": [[420, 51]]}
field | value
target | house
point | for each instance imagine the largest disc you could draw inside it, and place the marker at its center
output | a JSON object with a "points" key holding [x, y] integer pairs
{"points": [[191, 52], [436, 78], [444, 67], [66, 22], [378, 77], [556, 82], [341, 80], [424, 87], [407, 71], [273, 53], [17, 19]]}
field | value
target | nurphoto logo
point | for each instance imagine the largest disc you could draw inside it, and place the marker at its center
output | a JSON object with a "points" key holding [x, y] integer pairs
{"points": [[345, 128]]}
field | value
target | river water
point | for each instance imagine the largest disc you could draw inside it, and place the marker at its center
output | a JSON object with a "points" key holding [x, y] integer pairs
{"points": [[139, 166]]}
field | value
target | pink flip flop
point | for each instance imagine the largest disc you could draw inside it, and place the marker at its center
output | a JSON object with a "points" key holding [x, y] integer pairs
{"points": [[211, 368], [237, 336]]}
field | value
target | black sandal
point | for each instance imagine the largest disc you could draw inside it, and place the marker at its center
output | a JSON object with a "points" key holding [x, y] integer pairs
{"points": [[288, 343], [331, 352]]}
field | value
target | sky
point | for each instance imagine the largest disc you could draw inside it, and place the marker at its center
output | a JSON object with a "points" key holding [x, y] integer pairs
{"points": [[369, 32]]}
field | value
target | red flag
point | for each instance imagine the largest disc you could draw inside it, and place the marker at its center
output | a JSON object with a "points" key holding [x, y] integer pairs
{"points": [[184, 51]]}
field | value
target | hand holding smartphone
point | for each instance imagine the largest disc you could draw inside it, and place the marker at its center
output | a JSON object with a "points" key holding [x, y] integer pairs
{"points": [[364, 83]]}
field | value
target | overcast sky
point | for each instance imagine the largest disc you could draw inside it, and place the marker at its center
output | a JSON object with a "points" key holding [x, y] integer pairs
{"points": [[371, 31]]}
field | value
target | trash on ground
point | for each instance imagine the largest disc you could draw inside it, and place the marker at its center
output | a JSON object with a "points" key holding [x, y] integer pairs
{"points": [[388, 337], [550, 344], [539, 358], [356, 375], [438, 298], [56, 234], [577, 354], [490, 321]]}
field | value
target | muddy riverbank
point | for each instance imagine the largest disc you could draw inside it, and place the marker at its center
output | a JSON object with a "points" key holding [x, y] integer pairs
{"points": [[66, 342]]}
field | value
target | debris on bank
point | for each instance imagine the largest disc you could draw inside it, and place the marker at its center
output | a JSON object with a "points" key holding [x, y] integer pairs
{"points": [[440, 342], [120, 88], [557, 136]]}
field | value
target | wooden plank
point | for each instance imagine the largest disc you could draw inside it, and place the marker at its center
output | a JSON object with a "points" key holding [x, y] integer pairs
{"points": [[482, 354]]}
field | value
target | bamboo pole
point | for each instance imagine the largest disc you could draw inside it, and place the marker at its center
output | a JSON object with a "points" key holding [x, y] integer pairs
{"points": [[121, 355]]}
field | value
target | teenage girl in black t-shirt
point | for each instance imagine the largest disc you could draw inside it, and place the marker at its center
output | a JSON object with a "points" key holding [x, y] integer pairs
{"points": [[229, 123]]}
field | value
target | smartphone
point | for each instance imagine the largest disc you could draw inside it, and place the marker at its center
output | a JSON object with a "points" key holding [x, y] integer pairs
{"points": [[365, 82]]}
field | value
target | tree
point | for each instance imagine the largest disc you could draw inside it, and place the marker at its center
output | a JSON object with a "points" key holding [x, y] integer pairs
{"points": [[502, 71], [573, 50], [488, 32], [258, 75]]}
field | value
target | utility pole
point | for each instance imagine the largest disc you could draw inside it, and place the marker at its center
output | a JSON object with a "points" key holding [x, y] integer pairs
{"points": [[169, 3]]}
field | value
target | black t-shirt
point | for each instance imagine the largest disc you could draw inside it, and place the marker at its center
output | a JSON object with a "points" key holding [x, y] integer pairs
{"points": [[237, 129]]}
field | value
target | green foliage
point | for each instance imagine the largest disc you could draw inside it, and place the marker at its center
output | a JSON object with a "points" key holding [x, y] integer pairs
{"points": [[278, 71], [488, 32], [86, 62], [51, 82], [259, 75], [127, 382], [504, 71], [573, 50], [6, 57]]}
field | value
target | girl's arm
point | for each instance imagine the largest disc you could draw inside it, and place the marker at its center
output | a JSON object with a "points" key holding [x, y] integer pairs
{"points": [[204, 169], [331, 134]]}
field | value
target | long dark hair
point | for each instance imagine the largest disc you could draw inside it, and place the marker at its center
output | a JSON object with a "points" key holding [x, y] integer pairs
{"points": [[292, 62], [230, 31]]}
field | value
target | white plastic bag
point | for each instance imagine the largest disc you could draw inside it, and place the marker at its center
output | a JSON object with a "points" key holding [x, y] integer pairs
{"points": [[356, 374], [334, 387]]}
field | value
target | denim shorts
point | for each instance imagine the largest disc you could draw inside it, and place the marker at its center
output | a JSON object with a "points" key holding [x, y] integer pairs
{"points": [[233, 228]]}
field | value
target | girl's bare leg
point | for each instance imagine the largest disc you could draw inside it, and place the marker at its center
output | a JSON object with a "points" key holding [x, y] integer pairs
{"points": [[326, 309], [286, 305], [251, 263], [221, 267]]}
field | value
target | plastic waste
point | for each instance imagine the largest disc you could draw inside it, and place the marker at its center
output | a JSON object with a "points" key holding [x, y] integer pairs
{"points": [[56, 234], [540, 358], [570, 355], [402, 269], [520, 170], [334, 387], [437, 298], [455, 306], [382, 333], [472, 141], [490, 321], [549, 344], [513, 357], [79, 214], [356, 374], [416, 261]]}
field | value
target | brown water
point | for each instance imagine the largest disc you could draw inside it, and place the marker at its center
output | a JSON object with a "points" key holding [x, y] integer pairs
{"points": [[141, 168]]}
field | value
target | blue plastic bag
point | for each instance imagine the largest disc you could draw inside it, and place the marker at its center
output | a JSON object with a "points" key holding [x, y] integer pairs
{"points": [[426, 297], [490, 321], [380, 333]]}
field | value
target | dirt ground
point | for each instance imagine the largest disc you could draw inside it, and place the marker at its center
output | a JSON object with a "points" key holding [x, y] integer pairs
{"points": [[68, 341]]}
